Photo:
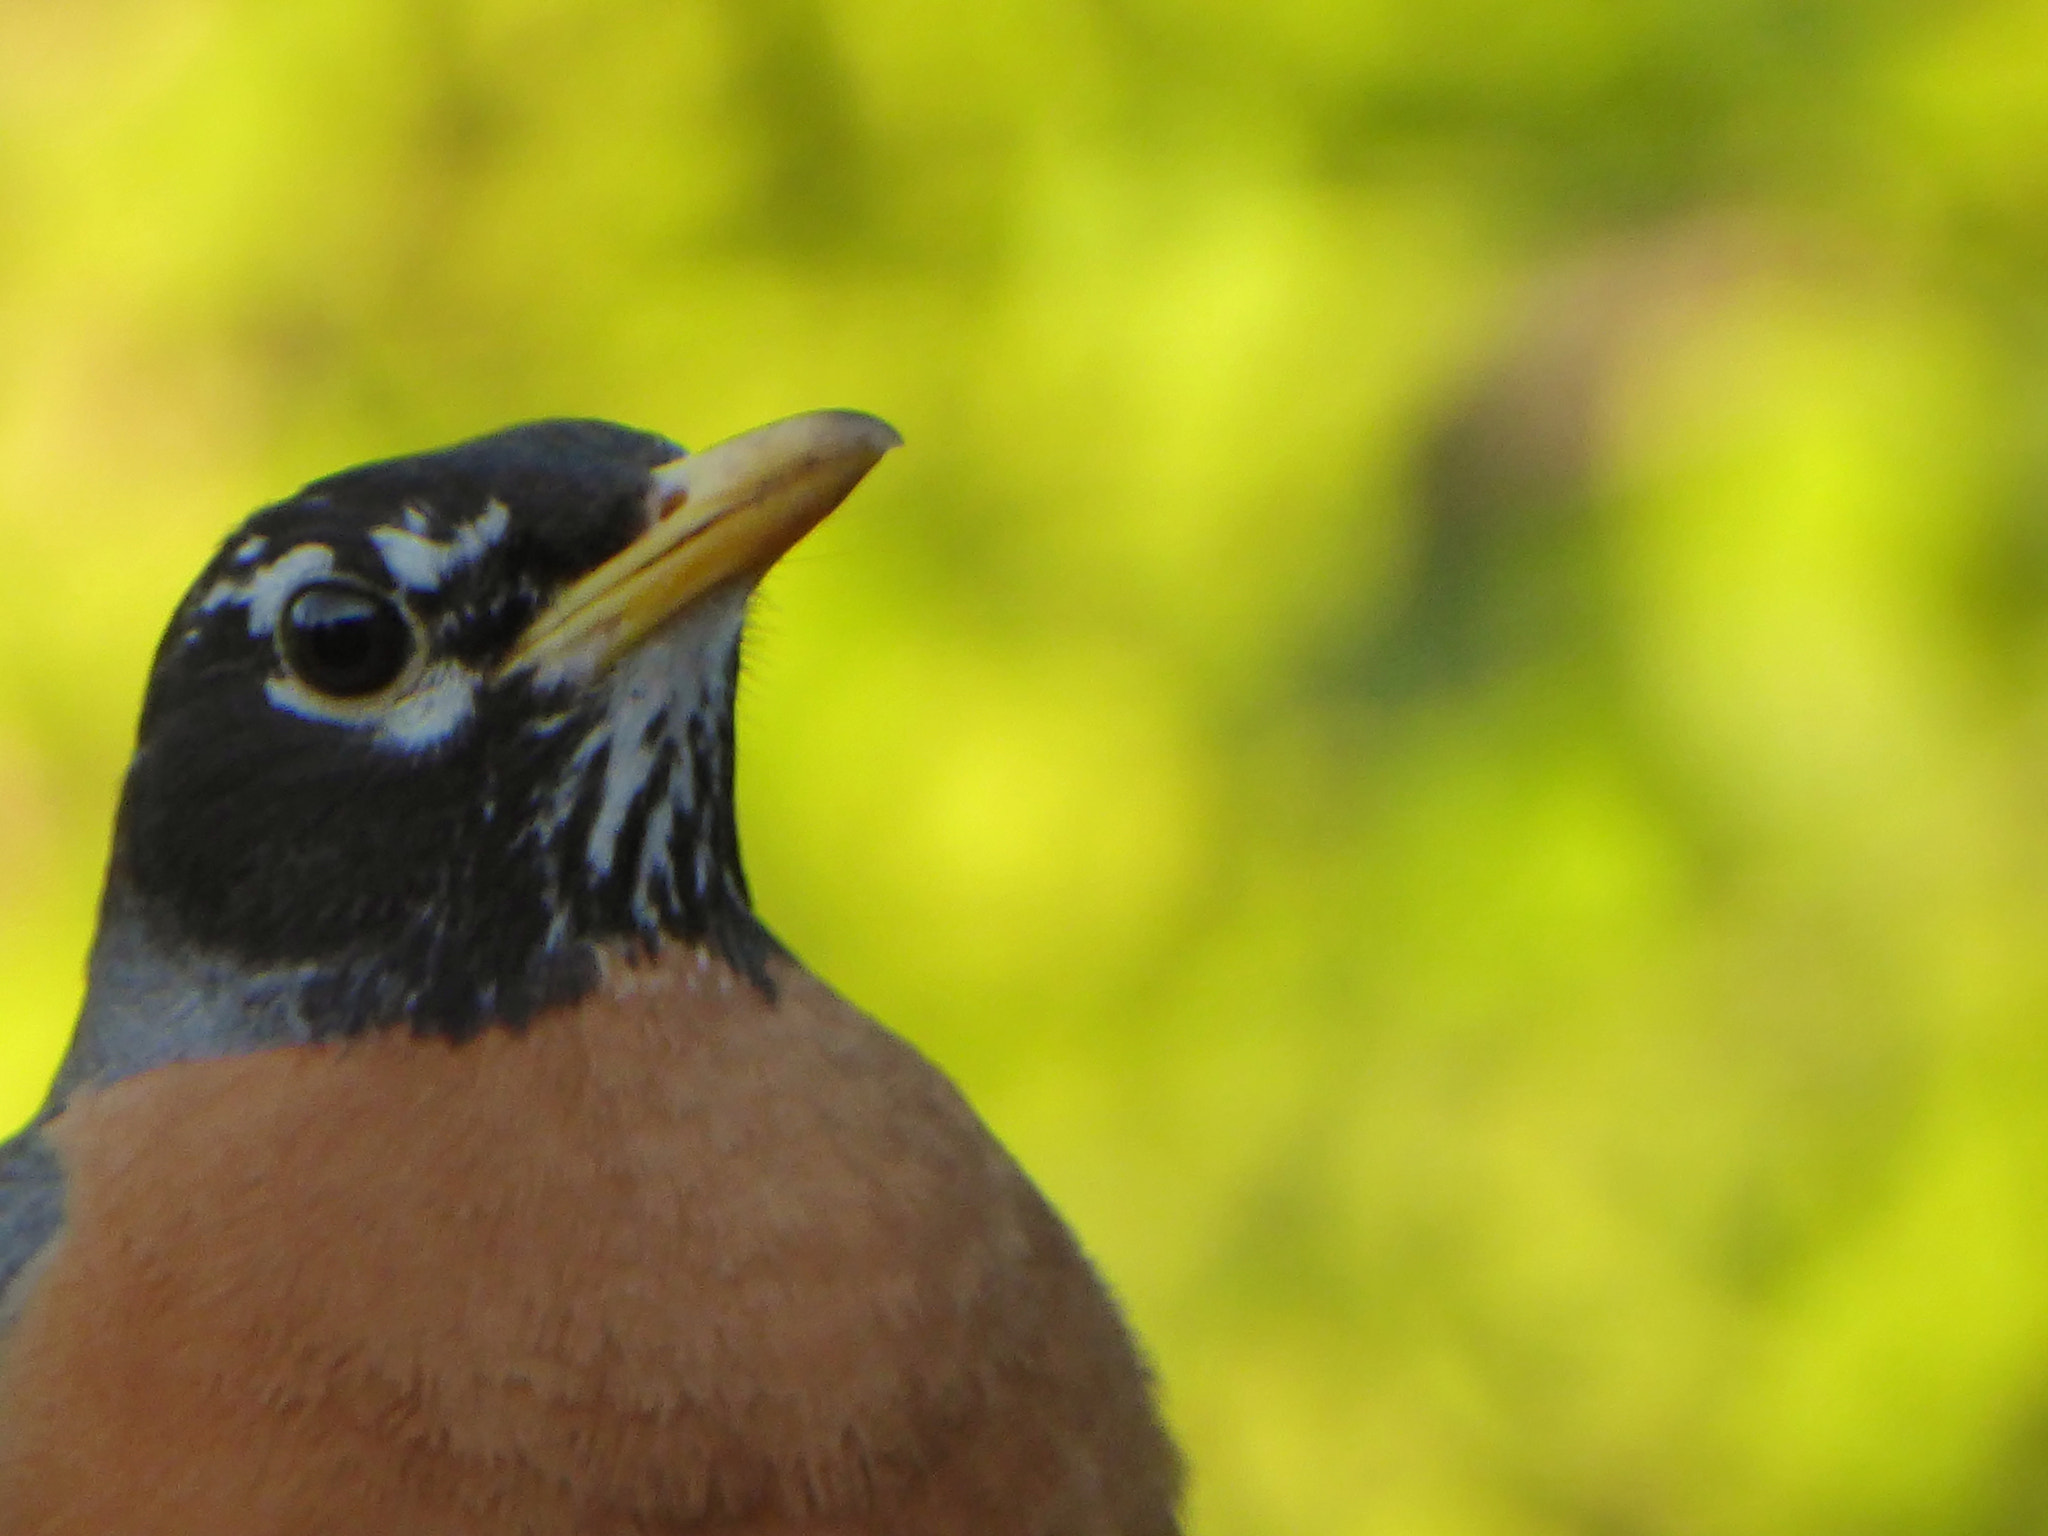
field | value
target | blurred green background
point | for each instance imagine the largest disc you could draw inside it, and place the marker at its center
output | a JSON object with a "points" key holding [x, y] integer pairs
{"points": [[1445, 720]]}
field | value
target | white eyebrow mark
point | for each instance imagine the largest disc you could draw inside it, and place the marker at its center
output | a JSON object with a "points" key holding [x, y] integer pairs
{"points": [[421, 564], [266, 592], [250, 548]]}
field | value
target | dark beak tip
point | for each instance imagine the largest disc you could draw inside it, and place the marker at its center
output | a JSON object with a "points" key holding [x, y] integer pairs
{"points": [[857, 429]]}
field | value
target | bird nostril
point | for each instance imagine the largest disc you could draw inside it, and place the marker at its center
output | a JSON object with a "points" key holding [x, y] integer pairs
{"points": [[668, 489]]}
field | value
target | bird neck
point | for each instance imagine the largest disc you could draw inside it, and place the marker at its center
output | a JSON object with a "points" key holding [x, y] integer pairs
{"points": [[153, 999]]}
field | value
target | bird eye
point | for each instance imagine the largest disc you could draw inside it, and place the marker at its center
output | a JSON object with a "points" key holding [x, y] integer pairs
{"points": [[344, 641]]}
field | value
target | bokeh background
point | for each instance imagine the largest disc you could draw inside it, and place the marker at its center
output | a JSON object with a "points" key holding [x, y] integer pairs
{"points": [[1445, 719]]}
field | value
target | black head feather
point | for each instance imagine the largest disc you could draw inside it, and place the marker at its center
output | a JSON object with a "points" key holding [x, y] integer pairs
{"points": [[455, 848]]}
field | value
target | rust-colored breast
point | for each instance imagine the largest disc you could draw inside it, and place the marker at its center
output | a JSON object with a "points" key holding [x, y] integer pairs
{"points": [[668, 1260]]}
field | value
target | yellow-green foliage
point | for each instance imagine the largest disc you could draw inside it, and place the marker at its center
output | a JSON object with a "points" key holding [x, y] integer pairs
{"points": [[1445, 719]]}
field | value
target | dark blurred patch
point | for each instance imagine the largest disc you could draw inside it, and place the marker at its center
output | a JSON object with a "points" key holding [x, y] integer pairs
{"points": [[2016, 1487], [1510, 547], [2005, 585], [1507, 549], [812, 191]]}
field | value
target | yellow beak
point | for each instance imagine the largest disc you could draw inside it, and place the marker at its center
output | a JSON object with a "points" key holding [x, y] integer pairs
{"points": [[719, 517]]}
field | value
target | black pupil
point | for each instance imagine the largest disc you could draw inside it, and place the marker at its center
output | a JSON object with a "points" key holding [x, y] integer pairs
{"points": [[344, 641]]}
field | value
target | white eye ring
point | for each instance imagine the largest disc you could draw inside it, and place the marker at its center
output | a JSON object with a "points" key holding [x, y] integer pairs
{"points": [[414, 709]]}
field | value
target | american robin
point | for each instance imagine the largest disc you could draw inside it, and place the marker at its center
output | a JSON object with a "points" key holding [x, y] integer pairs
{"points": [[445, 1145]]}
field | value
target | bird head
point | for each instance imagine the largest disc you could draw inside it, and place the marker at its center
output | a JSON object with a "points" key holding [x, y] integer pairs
{"points": [[427, 739]]}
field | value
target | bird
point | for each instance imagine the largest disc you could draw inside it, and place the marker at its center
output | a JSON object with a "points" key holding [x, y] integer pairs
{"points": [[445, 1145]]}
